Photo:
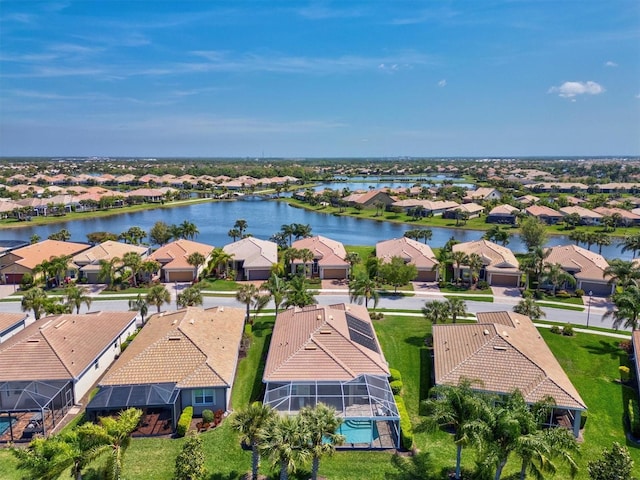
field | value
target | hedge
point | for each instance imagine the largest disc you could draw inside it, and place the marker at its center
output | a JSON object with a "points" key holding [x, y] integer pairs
{"points": [[394, 375], [396, 386], [406, 429], [184, 422], [633, 412]]}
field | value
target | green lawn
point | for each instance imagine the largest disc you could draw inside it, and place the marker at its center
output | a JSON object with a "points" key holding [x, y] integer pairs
{"points": [[561, 307], [218, 285]]}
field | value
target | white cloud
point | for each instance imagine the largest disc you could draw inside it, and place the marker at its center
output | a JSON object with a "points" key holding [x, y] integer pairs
{"points": [[610, 64], [442, 83], [572, 89]]}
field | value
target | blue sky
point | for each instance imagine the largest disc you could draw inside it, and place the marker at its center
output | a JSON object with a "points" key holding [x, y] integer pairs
{"points": [[310, 79]]}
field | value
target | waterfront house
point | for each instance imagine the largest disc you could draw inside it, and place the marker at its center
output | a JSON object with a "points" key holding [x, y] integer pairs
{"points": [[499, 265], [627, 218], [328, 257], [331, 354], [504, 214], [252, 258], [586, 266], [472, 210], [88, 261], [412, 252], [544, 214], [173, 258], [370, 198], [501, 353], [482, 194], [587, 217]]}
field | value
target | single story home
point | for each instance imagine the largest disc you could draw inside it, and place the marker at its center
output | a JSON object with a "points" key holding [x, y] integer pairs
{"points": [[328, 257], [501, 353], [544, 214], [252, 258], [500, 266], [586, 266], [587, 217], [173, 260], [331, 355], [88, 261], [481, 194], [370, 198], [54, 362], [473, 210], [11, 323], [412, 252], [183, 358], [627, 218], [505, 214], [429, 207]]}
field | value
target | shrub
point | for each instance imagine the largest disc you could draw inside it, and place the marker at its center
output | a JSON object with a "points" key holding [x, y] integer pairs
{"points": [[482, 285], [624, 373], [579, 293], [538, 295], [394, 375], [563, 294], [556, 329], [527, 294], [633, 414], [207, 416], [626, 345], [396, 386], [567, 331], [406, 429], [184, 422], [583, 419], [27, 281]]}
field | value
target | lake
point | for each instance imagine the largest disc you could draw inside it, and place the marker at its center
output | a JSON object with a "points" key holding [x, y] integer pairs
{"points": [[264, 217]]}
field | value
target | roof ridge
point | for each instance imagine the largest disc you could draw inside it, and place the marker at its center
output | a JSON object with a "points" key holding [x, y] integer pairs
{"points": [[548, 378], [55, 352], [332, 356]]}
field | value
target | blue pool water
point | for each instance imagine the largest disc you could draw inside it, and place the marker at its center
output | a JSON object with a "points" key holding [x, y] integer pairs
{"points": [[358, 431], [4, 424]]}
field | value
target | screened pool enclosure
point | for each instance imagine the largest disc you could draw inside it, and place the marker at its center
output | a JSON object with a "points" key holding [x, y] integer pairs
{"points": [[365, 404]]}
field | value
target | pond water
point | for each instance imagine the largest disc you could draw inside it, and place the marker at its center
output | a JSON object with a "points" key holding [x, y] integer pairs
{"points": [[264, 218]]}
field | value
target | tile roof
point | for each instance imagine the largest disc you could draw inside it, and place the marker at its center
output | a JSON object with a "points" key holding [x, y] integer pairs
{"points": [[174, 255], [192, 347], [503, 351], [623, 213], [8, 320], [583, 212], [61, 346], [411, 251], [255, 253], [542, 210], [582, 263], [494, 256], [504, 209], [318, 343], [106, 251], [328, 252], [32, 255]]}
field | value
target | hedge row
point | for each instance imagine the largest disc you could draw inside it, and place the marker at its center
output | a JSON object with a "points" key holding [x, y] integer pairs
{"points": [[184, 422], [406, 429], [394, 375], [633, 412]]}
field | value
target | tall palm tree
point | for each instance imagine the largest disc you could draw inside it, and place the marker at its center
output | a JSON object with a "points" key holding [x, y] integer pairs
{"points": [[45, 267], [277, 288], [529, 307], [133, 261], [219, 259], [457, 308], [538, 450], [307, 257], [246, 294], [622, 273], [283, 440], [34, 299], [108, 270], [353, 258], [362, 288], [320, 426], [149, 268], [459, 258], [158, 295], [196, 259], [241, 225], [556, 276], [59, 267], [190, 297], [455, 407], [475, 264], [436, 311], [76, 296], [298, 293], [249, 422], [189, 230], [301, 230], [139, 304], [288, 230], [234, 233], [631, 243], [627, 308]]}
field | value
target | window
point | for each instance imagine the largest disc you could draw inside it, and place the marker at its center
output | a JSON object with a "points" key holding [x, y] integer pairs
{"points": [[96, 365], [203, 396]]}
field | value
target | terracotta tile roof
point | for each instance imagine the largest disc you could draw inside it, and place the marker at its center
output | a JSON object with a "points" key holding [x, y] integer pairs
{"points": [[32, 255], [583, 212], [411, 251], [328, 252], [106, 251], [504, 209], [427, 204], [468, 207], [542, 210], [626, 214], [8, 320], [255, 253], [318, 343], [61, 346], [504, 351], [174, 255], [582, 263], [480, 193], [192, 347], [494, 256]]}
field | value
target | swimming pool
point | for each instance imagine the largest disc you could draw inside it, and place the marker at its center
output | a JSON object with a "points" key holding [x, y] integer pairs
{"points": [[359, 431], [5, 422]]}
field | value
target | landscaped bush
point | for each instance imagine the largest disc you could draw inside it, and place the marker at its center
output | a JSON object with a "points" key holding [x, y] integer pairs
{"points": [[394, 374], [579, 293], [538, 295], [556, 329], [184, 422], [396, 386], [563, 294], [207, 416], [626, 345], [625, 373], [633, 414], [27, 281], [567, 331], [406, 429], [482, 285]]}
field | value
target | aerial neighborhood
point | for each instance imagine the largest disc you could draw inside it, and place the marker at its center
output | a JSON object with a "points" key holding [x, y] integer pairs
{"points": [[387, 349]]}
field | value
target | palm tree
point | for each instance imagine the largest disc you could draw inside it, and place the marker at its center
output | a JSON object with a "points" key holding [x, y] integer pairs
{"points": [[298, 293], [537, 451], [76, 296], [320, 425], [190, 297], [528, 306], [240, 225], [108, 270], [158, 295], [288, 231], [306, 256], [556, 276], [455, 407], [627, 308], [459, 258], [301, 230], [195, 260], [34, 299], [59, 267], [45, 267], [234, 233], [277, 289], [246, 294], [132, 261], [113, 437], [283, 439], [602, 240], [139, 304], [457, 308], [363, 288], [353, 258], [622, 273], [631, 243], [475, 264], [189, 230], [219, 258], [148, 268], [436, 311], [249, 422]]}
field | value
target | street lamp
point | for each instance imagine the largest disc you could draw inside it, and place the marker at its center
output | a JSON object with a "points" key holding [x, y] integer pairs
{"points": [[589, 307]]}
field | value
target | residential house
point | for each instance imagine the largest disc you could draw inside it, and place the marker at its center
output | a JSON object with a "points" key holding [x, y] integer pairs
{"points": [[472, 210], [252, 258], [482, 194], [11, 323], [504, 352], [544, 214], [504, 214], [429, 207], [586, 266], [412, 252], [559, 187], [54, 362], [500, 266], [331, 354], [328, 257], [183, 358], [588, 217], [23, 260], [173, 258], [528, 199], [370, 199], [88, 261], [628, 218]]}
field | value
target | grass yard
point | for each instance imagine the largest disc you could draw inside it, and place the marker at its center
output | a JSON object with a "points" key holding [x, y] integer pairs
{"points": [[218, 285], [574, 308]]}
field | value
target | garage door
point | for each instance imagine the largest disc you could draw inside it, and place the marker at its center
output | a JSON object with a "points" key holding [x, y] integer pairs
{"points": [[258, 274], [426, 276], [597, 288], [504, 280], [180, 276], [334, 273], [13, 278]]}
